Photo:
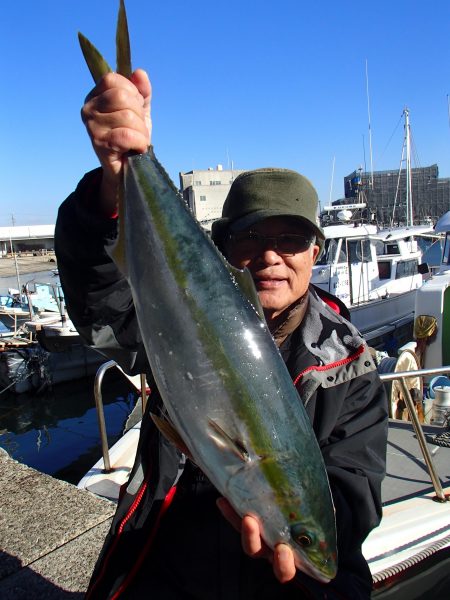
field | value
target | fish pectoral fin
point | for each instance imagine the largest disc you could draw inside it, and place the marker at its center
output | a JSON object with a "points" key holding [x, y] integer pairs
{"points": [[224, 440], [170, 433]]}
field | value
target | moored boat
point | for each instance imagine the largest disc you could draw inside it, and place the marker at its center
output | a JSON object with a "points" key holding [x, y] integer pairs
{"points": [[375, 273], [44, 349]]}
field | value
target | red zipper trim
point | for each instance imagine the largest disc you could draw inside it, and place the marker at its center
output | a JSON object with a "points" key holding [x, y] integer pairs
{"points": [[339, 363], [119, 532], [167, 502]]}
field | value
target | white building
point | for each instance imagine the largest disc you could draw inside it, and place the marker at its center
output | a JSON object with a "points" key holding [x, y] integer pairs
{"points": [[27, 238], [205, 192]]}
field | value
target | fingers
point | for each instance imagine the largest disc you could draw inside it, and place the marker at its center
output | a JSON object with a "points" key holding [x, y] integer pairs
{"points": [[282, 558], [283, 563], [229, 513], [251, 538], [117, 117], [142, 82]]}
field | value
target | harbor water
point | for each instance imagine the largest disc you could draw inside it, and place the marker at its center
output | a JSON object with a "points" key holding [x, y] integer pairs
{"points": [[56, 431]]}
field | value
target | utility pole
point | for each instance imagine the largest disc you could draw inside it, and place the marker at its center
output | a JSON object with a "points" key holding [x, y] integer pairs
{"points": [[14, 255]]}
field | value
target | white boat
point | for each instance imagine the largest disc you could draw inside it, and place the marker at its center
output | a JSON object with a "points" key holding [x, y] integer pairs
{"points": [[45, 349], [433, 300], [110, 472], [37, 302], [409, 553], [374, 272]]}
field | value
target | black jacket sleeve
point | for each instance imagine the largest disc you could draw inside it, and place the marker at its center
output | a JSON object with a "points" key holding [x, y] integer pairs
{"points": [[351, 422], [97, 296]]}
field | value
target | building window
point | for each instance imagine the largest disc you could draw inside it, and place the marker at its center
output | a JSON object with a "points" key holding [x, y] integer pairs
{"points": [[202, 198], [215, 183], [197, 183]]}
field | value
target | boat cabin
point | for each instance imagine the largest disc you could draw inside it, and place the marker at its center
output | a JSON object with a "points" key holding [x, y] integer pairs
{"points": [[360, 264]]}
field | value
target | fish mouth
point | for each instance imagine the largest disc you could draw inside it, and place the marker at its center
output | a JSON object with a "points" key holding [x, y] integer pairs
{"points": [[307, 567]]}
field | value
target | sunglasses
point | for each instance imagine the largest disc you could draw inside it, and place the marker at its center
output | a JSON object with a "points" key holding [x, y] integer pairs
{"points": [[250, 243]]}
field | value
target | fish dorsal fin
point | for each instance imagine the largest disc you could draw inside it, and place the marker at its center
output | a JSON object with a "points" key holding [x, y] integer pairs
{"points": [[170, 433], [224, 440], [247, 286]]}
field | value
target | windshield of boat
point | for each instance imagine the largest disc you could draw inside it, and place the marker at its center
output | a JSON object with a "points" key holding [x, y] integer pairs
{"points": [[446, 253], [329, 254]]}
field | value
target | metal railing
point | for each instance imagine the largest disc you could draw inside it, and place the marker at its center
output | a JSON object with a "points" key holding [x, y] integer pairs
{"points": [[101, 413], [401, 376]]}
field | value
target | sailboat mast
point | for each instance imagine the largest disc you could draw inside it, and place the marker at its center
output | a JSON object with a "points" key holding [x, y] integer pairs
{"points": [[370, 127], [409, 210]]}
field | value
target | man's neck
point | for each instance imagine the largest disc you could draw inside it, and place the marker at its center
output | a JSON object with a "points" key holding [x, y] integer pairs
{"points": [[284, 324]]}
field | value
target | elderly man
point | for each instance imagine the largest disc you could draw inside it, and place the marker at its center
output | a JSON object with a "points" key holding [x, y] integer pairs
{"points": [[168, 546]]}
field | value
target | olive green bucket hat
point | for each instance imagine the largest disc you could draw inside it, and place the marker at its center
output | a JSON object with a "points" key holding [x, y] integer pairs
{"points": [[257, 195]]}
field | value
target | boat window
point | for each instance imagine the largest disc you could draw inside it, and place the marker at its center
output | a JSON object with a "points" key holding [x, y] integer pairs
{"points": [[329, 254], [391, 249], [446, 254], [406, 268], [384, 269], [6, 301], [379, 247], [358, 251]]}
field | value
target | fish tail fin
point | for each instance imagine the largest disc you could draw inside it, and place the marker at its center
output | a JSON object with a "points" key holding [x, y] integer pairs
{"points": [[123, 52], [97, 65]]}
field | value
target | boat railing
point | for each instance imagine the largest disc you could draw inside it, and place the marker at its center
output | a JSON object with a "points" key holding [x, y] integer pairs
{"points": [[111, 364], [402, 376]]}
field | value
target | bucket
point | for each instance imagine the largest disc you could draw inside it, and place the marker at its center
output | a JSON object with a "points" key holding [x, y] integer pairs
{"points": [[439, 381], [441, 406]]}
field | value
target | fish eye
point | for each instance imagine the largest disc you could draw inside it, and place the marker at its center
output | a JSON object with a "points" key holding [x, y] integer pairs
{"points": [[303, 538]]}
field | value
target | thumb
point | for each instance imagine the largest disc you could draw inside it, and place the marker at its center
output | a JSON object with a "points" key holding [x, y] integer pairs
{"points": [[142, 82]]}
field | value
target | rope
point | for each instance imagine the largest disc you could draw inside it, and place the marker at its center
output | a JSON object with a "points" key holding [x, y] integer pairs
{"points": [[439, 439]]}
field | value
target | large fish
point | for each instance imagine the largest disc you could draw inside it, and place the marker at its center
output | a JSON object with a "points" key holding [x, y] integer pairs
{"points": [[224, 385]]}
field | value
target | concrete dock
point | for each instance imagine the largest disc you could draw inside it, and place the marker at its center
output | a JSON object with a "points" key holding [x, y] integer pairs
{"points": [[50, 534]]}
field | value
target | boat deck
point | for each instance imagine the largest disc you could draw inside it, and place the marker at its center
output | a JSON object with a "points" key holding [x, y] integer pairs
{"points": [[406, 471], [414, 533]]}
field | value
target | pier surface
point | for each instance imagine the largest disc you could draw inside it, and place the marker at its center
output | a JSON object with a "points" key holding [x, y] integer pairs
{"points": [[50, 534]]}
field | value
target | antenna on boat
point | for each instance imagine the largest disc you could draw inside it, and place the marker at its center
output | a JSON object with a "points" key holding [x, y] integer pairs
{"points": [[332, 178], [370, 127]]}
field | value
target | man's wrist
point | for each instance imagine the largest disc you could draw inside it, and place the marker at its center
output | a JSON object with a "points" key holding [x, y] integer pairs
{"points": [[108, 197]]}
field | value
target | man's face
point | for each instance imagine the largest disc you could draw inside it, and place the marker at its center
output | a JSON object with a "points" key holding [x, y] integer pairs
{"points": [[280, 278]]}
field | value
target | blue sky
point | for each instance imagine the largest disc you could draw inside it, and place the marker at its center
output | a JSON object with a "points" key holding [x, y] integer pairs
{"points": [[257, 83]]}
